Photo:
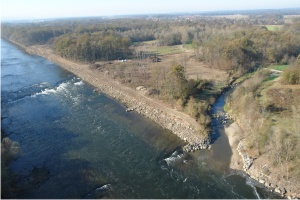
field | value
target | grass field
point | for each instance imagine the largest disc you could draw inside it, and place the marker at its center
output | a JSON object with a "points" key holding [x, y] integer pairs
{"points": [[271, 78], [279, 67], [152, 46], [164, 50], [188, 46], [274, 27]]}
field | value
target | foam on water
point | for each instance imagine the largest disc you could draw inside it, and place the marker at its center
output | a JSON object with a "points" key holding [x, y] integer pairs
{"points": [[104, 187], [173, 158], [61, 88], [44, 84], [79, 83], [76, 100], [250, 182], [41, 85], [100, 190]]}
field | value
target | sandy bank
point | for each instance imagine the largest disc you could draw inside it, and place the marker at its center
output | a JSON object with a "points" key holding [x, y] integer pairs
{"points": [[234, 137], [179, 123]]}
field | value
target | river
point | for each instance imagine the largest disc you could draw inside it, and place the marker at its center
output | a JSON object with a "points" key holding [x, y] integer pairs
{"points": [[75, 143]]}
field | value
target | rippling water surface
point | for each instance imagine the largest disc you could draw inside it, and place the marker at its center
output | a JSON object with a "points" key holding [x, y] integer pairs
{"points": [[75, 143]]}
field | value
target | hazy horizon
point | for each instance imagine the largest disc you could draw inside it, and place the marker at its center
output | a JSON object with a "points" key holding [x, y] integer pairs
{"points": [[34, 9]]}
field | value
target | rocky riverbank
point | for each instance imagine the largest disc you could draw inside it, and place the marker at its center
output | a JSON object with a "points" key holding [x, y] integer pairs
{"points": [[256, 168], [181, 124], [177, 125]]}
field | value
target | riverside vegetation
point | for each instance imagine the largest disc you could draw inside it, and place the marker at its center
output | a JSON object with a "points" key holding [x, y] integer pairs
{"points": [[185, 62], [266, 107]]}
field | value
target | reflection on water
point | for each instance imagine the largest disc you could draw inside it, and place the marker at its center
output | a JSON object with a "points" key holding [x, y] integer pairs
{"points": [[79, 144]]}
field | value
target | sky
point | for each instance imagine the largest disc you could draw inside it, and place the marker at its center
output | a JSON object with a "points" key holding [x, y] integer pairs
{"points": [[41, 9]]}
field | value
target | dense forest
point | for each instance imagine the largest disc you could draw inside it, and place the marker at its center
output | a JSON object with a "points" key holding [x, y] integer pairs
{"points": [[92, 47]]}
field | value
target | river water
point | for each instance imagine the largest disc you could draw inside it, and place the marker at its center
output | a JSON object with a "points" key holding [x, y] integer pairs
{"points": [[75, 143]]}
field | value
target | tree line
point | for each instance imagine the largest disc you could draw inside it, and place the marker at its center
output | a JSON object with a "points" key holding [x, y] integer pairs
{"points": [[92, 47], [238, 44], [247, 49]]}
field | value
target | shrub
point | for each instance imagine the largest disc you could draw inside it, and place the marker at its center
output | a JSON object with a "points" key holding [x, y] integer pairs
{"points": [[292, 75], [192, 108]]}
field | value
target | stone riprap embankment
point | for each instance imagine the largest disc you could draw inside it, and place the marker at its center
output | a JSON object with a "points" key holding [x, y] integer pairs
{"points": [[181, 124], [256, 168], [167, 120]]}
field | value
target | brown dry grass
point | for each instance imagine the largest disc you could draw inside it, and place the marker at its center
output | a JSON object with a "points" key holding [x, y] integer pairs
{"points": [[194, 69]]}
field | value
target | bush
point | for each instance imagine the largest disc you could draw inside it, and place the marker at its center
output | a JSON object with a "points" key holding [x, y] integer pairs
{"points": [[192, 108], [292, 75]]}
